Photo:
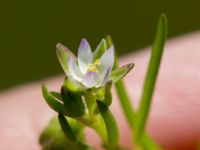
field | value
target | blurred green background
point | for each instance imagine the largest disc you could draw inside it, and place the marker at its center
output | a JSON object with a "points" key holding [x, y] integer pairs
{"points": [[30, 29]]}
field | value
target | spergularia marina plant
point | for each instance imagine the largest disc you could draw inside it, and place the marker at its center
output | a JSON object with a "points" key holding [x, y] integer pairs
{"points": [[85, 97]]}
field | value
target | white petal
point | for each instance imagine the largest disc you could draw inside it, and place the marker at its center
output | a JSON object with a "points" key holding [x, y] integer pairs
{"points": [[74, 69], [84, 55], [91, 79], [107, 61]]}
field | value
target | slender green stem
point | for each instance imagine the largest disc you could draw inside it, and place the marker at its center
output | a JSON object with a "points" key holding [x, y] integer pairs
{"points": [[90, 101], [125, 103], [110, 123], [151, 77], [121, 92], [92, 119]]}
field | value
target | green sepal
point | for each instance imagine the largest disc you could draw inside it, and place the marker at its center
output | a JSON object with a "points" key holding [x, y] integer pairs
{"points": [[56, 95], [52, 101], [119, 73], [101, 48], [111, 125], [67, 130], [108, 94], [73, 103], [62, 55], [109, 41], [73, 85]]}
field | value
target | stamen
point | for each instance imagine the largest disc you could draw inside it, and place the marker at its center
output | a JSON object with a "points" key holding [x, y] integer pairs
{"points": [[97, 62], [93, 67]]}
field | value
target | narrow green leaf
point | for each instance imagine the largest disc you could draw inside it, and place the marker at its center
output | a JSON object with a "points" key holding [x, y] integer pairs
{"points": [[52, 101], [101, 48], [66, 128], [111, 125], [151, 76], [73, 103], [119, 73]]}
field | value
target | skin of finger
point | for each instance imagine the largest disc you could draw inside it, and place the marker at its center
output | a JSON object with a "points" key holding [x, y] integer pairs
{"points": [[174, 118]]}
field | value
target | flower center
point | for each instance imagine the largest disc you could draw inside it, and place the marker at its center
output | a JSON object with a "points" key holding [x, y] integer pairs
{"points": [[93, 67]]}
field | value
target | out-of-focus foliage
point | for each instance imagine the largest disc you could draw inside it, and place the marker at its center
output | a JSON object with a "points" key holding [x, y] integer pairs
{"points": [[30, 30]]}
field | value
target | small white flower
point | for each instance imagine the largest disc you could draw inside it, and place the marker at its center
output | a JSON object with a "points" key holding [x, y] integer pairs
{"points": [[90, 69]]}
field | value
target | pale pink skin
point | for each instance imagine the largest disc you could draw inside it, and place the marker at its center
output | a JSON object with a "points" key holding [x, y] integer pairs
{"points": [[174, 120]]}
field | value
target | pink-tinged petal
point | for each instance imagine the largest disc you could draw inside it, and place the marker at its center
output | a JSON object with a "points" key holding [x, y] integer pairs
{"points": [[107, 61], [74, 69], [106, 77], [91, 79], [84, 55]]}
